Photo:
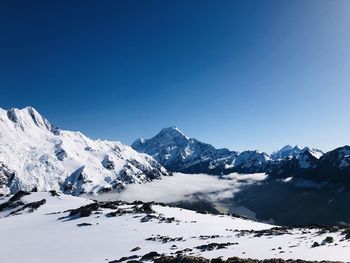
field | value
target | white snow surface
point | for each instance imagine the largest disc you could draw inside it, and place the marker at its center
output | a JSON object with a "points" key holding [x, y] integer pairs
{"points": [[42, 156], [41, 236]]}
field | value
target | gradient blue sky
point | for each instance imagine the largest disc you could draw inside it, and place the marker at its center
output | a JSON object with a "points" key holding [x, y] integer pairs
{"points": [[238, 74]]}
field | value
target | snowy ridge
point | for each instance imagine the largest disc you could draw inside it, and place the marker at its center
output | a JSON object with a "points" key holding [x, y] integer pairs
{"points": [[177, 152], [144, 231], [36, 154], [291, 152]]}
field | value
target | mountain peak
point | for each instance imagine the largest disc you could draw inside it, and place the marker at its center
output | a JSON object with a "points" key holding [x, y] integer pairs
{"points": [[286, 148], [299, 147], [288, 151], [35, 154], [27, 118], [174, 131]]}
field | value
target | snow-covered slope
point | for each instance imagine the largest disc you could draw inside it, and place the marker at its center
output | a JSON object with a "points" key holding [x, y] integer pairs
{"points": [[36, 154], [53, 227], [177, 152]]}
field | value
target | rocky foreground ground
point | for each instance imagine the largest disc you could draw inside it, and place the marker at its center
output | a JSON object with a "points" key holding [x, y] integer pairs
{"points": [[52, 227]]}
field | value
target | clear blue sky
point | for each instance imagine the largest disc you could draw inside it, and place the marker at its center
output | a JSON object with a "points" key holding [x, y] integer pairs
{"points": [[241, 74]]}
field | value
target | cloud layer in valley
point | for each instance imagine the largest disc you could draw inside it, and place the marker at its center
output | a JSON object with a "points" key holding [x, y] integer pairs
{"points": [[185, 186]]}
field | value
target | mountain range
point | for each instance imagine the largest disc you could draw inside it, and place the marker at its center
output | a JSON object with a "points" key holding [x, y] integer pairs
{"points": [[35, 154], [303, 185], [179, 153]]}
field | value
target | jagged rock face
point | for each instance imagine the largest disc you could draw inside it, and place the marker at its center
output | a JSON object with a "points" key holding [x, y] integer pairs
{"points": [[338, 158], [177, 152], [108, 163], [41, 156], [60, 152], [6, 177]]}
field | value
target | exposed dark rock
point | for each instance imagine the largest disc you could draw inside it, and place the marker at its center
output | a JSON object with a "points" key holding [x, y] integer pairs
{"points": [[191, 259], [139, 208], [315, 244], [328, 240], [53, 193], [164, 239], [205, 237], [147, 208], [128, 258], [214, 246], [108, 163], [84, 211], [181, 259], [84, 224], [18, 195], [88, 148], [135, 249], [6, 175], [217, 260], [150, 256], [14, 201], [30, 206], [119, 212], [10, 205], [60, 152], [11, 115], [147, 218]]}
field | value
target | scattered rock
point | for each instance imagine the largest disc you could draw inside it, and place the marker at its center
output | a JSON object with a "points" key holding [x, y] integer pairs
{"points": [[147, 218], [128, 258], [108, 163], [192, 259], [84, 224], [31, 207], [214, 246], [150, 256], [53, 193], [164, 239], [328, 240], [18, 195]]}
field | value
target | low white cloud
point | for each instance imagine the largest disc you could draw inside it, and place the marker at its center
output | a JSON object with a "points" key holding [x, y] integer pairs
{"points": [[184, 187]]}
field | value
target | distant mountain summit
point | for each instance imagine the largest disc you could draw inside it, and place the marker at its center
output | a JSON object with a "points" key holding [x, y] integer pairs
{"points": [[177, 152], [289, 151], [34, 154]]}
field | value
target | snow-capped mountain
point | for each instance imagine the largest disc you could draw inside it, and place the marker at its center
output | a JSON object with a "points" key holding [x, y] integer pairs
{"points": [[36, 154], [34, 228], [177, 152], [291, 152]]}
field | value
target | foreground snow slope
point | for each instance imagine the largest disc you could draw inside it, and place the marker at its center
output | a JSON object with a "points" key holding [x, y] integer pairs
{"points": [[109, 231], [36, 154]]}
